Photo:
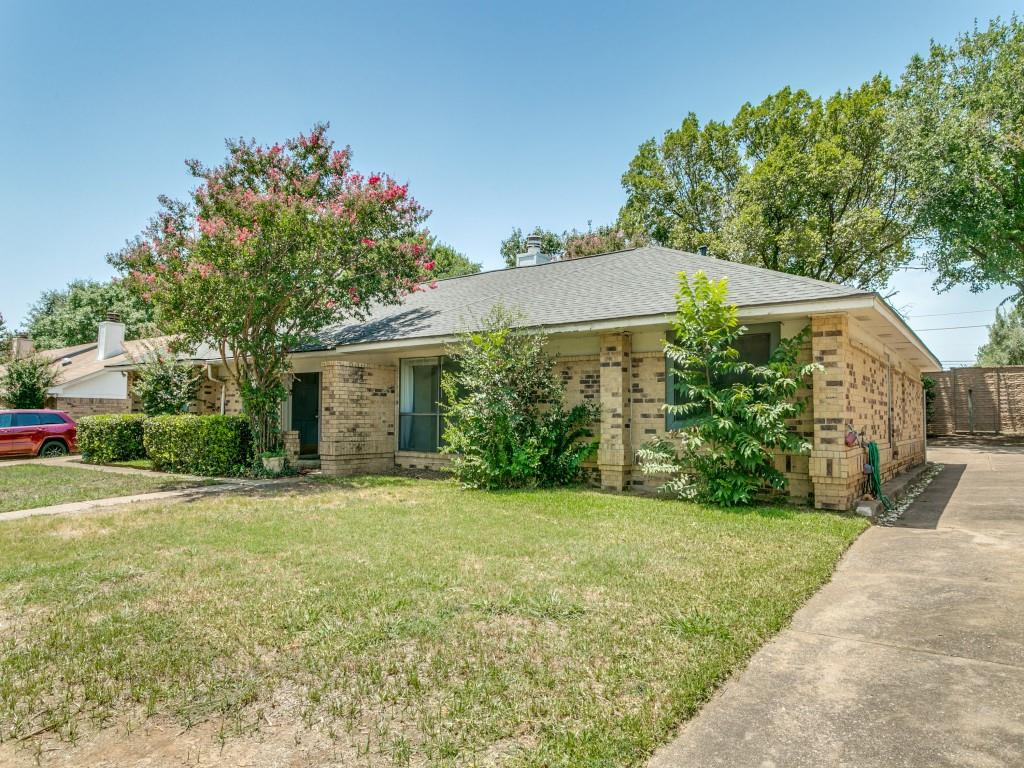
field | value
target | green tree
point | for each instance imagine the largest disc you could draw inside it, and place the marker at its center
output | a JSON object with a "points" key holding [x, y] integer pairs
{"points": [[551, 244], [449, 262], [1005, 345], [70, 316], [678, 191], [275, 244], [736, 412], [164, 384], [25, 382], [961, 115], [827, 195], [506, 426]]}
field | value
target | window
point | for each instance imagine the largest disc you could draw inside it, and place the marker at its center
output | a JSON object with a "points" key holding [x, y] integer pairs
{"points": [[50, 418], [6, 420], [755, 346], [419, 409], [26, 419]]}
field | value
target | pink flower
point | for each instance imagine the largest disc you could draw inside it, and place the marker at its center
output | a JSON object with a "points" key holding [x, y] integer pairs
{"points": [[429, 265], [243, 234], [368, 242], [353, 296], [433, 284], [374, 180]]}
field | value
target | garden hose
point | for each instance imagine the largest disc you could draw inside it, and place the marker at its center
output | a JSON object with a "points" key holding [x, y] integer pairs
{"points": [[876, 476]]}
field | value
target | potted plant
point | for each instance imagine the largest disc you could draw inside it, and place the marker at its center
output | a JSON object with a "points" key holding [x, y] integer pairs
{"points": [[273, 461]]}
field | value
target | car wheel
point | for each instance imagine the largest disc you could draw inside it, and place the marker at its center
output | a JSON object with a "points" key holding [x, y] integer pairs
{"points": [[52, 449]]}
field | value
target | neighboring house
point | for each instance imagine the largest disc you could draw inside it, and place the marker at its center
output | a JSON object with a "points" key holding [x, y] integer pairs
{"points": [[978, 400], [365, 398], [96, 378]]}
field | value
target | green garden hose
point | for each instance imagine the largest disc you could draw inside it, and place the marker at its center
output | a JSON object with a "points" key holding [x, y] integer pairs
{"points": [[876, 476]]}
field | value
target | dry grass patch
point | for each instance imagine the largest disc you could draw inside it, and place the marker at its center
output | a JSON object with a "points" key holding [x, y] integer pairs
{"points": [[392, 622]]}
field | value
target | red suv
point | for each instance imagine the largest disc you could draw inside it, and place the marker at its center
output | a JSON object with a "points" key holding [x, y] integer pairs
{"points": [[36, 433]]}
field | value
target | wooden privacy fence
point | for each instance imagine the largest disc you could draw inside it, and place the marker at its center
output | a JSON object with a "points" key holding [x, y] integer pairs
{"points": [[978, 400]]}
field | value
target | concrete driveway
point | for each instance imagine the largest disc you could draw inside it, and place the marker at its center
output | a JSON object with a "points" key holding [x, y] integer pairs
{"points": [[913, 655]]}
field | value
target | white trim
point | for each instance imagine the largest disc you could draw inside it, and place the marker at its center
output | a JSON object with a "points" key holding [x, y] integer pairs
{"points": [[882, 307]]}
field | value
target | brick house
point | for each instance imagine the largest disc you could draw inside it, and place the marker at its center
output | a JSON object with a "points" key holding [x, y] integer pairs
{"points": [[364, 399], [96, 377], [93, 378]]}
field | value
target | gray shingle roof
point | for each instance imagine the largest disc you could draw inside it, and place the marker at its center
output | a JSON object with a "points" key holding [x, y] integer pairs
{"points": [[632, 283]]}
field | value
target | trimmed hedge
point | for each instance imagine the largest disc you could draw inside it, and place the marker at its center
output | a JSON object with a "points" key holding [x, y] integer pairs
{"points": [[198, 445], [111, 437]]}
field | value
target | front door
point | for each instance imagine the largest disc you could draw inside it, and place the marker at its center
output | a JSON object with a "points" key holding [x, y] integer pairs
{"points": [[306, 412]]}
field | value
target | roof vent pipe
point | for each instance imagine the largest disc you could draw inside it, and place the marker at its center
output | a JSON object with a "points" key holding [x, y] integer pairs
{"points": [[702, 250]]}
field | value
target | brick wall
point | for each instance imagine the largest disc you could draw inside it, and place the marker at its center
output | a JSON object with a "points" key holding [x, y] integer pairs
{"points": [[358, 407], [421, 460], [853, 390], [986, 400], [647, 392], [77, 407], [360, 412], [615, 454], [208, 399]]}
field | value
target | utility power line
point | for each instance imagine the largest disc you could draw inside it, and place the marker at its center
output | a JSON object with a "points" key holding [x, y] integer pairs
{"points": [[951, 328], [964, 312]]}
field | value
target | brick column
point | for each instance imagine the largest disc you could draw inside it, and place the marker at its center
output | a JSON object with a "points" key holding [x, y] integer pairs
{"points": [[615, 456], [836, 471], [291, 447], [358, 427]]}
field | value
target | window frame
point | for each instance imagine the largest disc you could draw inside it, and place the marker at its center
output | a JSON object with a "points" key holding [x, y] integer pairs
{"points": [[678, 421], [437, 413]]}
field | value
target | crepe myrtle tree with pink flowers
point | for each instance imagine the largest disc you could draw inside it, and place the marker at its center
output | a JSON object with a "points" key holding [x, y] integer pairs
{"points": [[274, 245]]}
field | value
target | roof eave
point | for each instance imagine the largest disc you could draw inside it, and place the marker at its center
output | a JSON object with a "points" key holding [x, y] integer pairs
{"points": [[769, 309]]}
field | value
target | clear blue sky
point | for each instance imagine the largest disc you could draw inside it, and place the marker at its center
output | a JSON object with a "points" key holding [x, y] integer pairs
{"points": [[497, 116]]}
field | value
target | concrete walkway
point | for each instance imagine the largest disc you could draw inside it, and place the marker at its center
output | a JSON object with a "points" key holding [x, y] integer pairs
{"points": [[913, 655]]}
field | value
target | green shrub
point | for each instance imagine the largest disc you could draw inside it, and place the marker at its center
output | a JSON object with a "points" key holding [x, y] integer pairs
{"points": [[111, 437], [506, 427], [165, 385], [198, 445], [736, 413], [25, 382]]}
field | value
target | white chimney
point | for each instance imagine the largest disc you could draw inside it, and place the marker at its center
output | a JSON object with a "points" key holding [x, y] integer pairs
{"points": [[533, 255], [110, 342], [22, 346]]}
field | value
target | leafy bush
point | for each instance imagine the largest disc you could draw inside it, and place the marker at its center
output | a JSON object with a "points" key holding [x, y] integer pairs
{"points": [[111, 437], [736, 411], [506, 426], [26, 381], [165, 385], [198, 445]]}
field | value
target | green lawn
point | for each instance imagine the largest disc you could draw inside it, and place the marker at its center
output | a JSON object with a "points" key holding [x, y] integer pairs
{"points": [[27, 486], [407, 621]]}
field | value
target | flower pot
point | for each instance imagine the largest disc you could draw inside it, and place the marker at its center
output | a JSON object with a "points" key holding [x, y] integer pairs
{"points": [[273, 464]]}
